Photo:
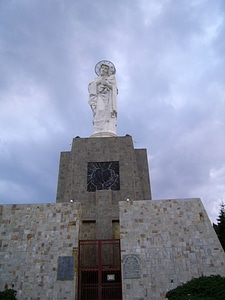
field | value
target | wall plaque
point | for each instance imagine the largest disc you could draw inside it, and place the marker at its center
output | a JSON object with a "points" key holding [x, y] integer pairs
{"points": [[65, 268], [131, 267]]}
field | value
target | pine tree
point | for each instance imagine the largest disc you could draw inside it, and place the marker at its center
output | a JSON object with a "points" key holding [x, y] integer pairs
{"points": [[220, 227]]}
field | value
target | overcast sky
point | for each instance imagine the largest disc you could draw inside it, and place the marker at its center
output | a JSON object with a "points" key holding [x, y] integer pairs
{"points": [[170, 61]]}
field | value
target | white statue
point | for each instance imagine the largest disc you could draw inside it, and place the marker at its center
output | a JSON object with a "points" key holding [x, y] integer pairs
{"points": [[102, 100]]}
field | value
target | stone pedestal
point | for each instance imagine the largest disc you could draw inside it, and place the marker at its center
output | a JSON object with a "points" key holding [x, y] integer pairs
{"points": [[100, 172], [103, 134]]}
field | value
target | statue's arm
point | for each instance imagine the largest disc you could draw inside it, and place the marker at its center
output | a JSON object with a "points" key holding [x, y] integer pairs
{"points": [[112, 79]]}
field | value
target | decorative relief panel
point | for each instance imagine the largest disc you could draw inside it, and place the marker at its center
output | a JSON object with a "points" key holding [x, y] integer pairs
{"points": [[103, 176]]}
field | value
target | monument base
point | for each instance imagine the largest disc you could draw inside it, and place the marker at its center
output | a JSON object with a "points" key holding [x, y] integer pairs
{"points": [[103, 134]]}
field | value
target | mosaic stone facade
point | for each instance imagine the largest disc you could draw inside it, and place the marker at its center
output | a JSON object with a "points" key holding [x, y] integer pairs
{"points": [[163, 243], [32, 238], [174, 241]]}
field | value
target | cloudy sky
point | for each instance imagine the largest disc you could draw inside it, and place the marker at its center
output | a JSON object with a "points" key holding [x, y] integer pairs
{"points": [[170, 61]]}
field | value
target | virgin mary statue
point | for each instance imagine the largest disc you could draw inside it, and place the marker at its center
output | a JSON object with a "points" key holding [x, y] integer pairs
{"points": [[102, 100]]}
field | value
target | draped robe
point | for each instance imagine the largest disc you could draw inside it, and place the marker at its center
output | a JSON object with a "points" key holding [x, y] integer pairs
{"points": [[102, 100]]}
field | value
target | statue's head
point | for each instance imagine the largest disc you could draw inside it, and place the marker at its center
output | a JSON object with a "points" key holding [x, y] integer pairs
{"points": [[105, 68]]}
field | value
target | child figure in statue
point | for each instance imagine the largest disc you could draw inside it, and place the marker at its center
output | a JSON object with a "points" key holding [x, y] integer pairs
{"points": [[102, 100]]}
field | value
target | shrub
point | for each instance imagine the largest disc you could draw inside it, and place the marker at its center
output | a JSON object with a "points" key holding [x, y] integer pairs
{"points": [[202, 288], [8, 295]]}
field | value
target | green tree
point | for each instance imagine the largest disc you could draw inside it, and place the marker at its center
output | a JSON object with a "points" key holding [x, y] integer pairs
{"points": [[220, 226]]}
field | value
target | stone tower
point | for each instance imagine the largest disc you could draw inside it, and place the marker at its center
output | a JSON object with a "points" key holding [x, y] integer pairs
{"points": [[98, 173], [102, 170]]}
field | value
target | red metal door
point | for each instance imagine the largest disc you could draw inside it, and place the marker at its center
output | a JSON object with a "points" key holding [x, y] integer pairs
{"points": [[99, 270]]}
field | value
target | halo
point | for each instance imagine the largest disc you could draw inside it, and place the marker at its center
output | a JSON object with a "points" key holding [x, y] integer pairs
{"points": [[112, 69]]}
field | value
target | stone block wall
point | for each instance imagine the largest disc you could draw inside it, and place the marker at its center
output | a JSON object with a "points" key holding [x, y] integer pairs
{"points": [[133, 169], [32, 238], [165, 243]]}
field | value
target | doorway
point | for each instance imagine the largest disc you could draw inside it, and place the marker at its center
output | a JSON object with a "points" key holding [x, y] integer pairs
{"points": [[99, 270]]}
